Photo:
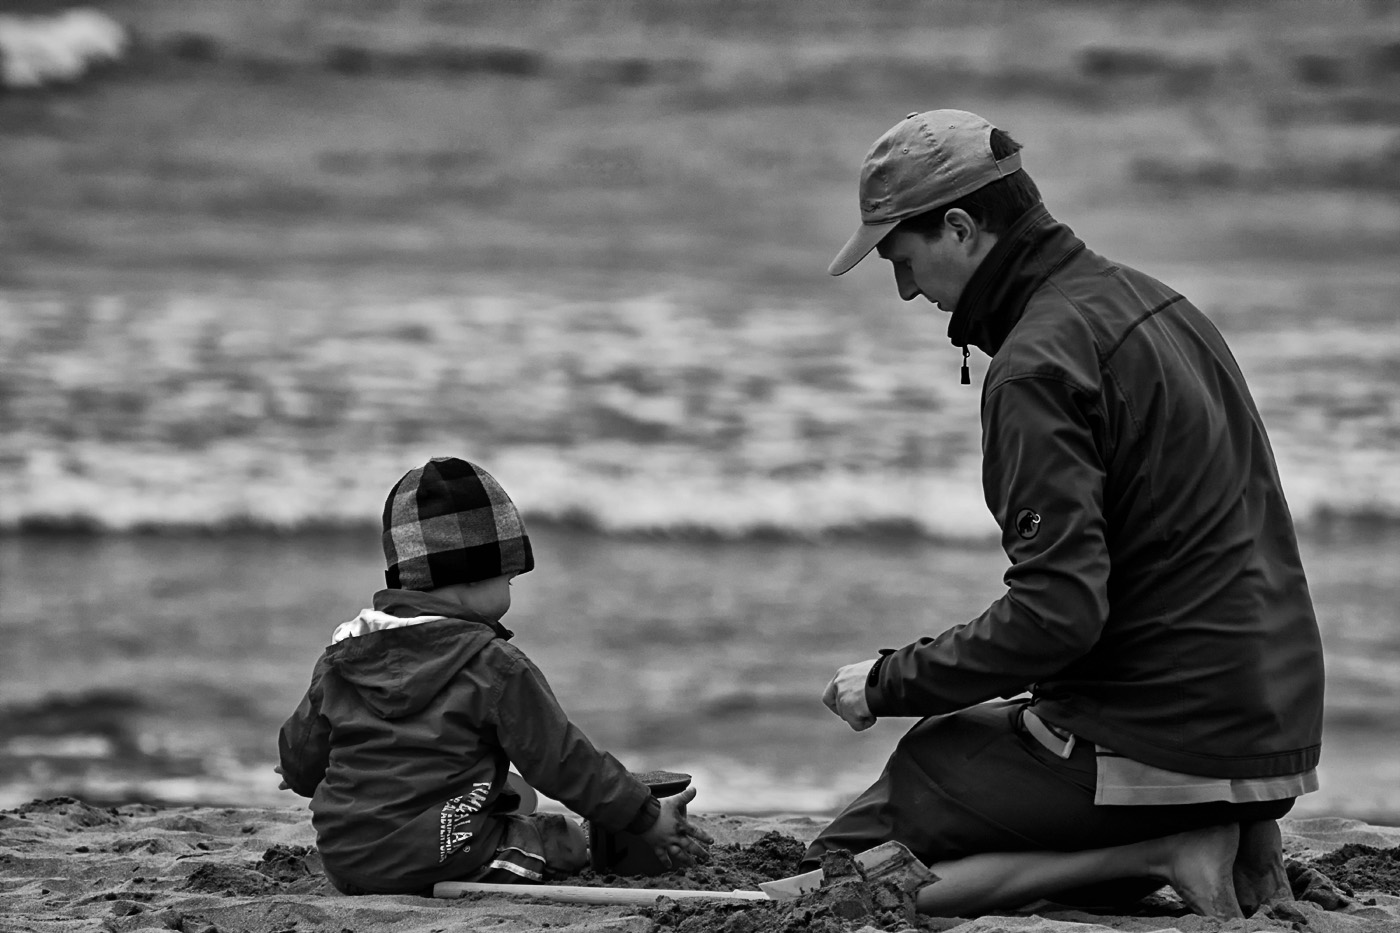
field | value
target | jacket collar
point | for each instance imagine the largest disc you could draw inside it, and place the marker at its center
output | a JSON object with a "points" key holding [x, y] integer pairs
{"points": [[996, 295], [407, 604]]}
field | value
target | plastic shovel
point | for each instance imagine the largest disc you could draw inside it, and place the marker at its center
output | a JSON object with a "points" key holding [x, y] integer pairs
{"points": [[886, 859], [879, 862], [577, 894]]}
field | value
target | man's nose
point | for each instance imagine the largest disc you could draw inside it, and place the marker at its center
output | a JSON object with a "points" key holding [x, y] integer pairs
{"points": [[904, 281]]}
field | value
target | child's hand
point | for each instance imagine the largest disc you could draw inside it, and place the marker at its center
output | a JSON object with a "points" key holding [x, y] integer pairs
{"points": [[674, 840], [282, 784]]}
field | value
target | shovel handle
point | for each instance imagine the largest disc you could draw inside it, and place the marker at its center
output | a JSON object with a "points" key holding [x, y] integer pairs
{"points": [[575, 894]]}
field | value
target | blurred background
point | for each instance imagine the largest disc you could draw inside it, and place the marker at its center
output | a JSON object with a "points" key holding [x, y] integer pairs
{"points": [[260, 257]]}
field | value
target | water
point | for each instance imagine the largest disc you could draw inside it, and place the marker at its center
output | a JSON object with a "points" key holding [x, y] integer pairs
{"points": [[730, 497], [160, 667], [296, 405]]}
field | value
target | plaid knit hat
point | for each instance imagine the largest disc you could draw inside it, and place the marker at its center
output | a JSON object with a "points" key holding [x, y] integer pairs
{"points": [[449, 521]]}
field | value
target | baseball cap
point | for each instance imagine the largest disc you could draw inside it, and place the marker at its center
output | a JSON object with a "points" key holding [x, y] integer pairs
{"points": [[924, 161]]}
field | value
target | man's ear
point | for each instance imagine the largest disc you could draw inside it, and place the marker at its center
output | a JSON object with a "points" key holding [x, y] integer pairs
{"points": [[961, 226]]}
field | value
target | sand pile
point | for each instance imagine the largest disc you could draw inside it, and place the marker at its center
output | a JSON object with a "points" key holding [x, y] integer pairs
{"points": [[66, 867], [732, 865], [848, 900]]}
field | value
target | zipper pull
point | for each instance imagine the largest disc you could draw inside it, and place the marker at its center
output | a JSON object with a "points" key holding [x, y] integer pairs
{"points": [[966, 376]]}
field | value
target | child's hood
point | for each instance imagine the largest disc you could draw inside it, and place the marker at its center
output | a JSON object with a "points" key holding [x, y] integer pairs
{"points": [[403, 651]]}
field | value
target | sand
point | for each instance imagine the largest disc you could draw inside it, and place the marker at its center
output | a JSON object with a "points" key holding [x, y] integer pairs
{"points": [[67, 867]]}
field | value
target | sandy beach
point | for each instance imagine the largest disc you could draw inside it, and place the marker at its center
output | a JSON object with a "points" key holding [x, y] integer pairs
{"points": [[67, 867]]}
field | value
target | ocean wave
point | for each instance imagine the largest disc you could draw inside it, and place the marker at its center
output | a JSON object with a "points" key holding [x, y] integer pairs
{"points": [[641, 492], [36, 51], [645, 415]]}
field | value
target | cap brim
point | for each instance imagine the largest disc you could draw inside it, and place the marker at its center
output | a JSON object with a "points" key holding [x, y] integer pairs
{"points": [[866, 238]]}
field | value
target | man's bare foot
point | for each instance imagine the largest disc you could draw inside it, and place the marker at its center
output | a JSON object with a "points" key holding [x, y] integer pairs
{"points": [[1259, 876], [1198, 866]]}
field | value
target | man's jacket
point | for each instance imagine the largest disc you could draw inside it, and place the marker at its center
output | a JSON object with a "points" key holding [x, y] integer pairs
{"points": [[402, 743], [1155, 602]]}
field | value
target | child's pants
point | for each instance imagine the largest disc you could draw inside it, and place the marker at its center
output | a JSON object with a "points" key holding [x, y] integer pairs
{"points": [[518, 859]]}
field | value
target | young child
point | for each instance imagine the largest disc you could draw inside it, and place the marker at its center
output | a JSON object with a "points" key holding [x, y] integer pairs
{"points": [[419, 705]]}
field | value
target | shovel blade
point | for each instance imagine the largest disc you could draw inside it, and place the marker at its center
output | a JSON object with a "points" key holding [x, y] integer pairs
{"points": [[787, 888], [884, 861], [894, 859]]}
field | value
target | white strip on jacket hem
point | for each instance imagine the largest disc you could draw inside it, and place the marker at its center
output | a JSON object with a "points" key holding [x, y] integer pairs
{"points": [[1123, 782]]}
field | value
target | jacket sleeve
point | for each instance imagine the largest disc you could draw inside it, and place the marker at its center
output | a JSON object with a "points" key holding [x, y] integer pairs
{"points": [[303, 745], [1043, 478], [556, 758]]}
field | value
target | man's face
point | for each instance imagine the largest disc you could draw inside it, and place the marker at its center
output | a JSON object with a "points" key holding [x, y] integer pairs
{"points": [[937, 268]]}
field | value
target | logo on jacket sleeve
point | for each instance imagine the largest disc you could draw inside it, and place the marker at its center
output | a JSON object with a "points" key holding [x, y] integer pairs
{"points": [[1027, 523]]}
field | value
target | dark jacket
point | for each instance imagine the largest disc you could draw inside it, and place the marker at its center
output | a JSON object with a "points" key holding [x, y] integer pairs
{"points": [[402, 743], [1155, 602]]}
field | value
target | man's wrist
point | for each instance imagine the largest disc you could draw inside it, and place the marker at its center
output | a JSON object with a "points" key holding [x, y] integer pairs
{"points": [[872, 681], [646, 817]]}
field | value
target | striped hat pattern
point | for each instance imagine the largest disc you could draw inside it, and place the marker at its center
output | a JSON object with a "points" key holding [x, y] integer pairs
{"points": [[449, 521]]}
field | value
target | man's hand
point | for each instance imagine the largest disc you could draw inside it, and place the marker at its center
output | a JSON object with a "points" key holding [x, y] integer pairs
{"points": [[282, 784], [845, 695], [672, 837]]}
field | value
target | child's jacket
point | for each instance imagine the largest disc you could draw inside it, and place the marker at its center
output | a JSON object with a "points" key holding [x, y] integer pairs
{"points": [[403, 740]]}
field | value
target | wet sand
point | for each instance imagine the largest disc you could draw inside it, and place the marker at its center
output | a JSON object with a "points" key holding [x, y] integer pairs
{"points": [[67, 867]]}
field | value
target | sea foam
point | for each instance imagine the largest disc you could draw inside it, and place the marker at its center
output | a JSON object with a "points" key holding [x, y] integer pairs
{"points": [[296, 406]]}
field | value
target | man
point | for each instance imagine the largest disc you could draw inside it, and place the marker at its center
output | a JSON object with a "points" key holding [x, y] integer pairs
{"points": [[1156, 608]]}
